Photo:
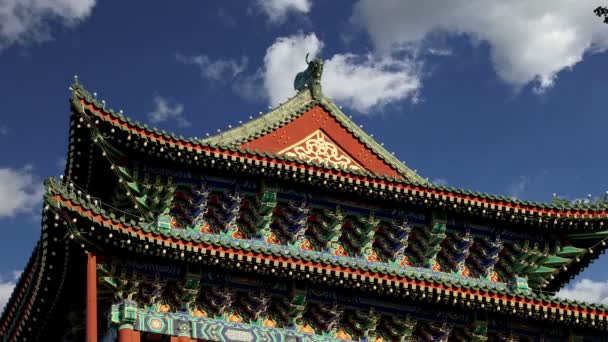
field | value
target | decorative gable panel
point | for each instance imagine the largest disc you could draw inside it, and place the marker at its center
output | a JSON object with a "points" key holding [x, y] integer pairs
{"points": [[316, 135], [319, 148]]}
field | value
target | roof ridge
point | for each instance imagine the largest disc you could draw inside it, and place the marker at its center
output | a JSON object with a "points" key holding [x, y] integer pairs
{"points": [[295, 107], [258, 126], [370, 142]]}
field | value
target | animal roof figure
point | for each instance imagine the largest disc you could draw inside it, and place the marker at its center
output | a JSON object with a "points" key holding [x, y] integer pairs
{"points": [[310, 78]]}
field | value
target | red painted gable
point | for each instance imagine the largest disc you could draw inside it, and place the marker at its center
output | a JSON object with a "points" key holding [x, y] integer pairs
{"points": [[317, 118]]}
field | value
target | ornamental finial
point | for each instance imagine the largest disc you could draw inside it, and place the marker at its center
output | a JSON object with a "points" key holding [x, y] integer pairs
{"points": [[601, 11], [311, 77]]}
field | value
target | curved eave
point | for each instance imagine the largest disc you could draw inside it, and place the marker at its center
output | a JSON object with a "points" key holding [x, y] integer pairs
{"points": [[495, 207], [36, 295], [206, 248], [21, 293], [564, 276]]}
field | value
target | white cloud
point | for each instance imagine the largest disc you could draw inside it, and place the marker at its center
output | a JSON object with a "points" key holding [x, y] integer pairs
{"points": [[20, 191], [166, 110], [530, 41], [518, 187], [587, 290], [23, 21], [522, 185], [5, 293], [215, 69], [4, 130], [365, 82], [277, 10], [439, 52], [440, 181], [283, 60], [6, 288], [362, 82]]}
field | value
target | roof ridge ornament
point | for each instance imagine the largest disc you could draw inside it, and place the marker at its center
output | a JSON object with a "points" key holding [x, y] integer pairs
{"points": [[310, 78]]}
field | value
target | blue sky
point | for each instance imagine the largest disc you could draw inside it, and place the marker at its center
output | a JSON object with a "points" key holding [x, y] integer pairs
{"points": [[502, 98]]}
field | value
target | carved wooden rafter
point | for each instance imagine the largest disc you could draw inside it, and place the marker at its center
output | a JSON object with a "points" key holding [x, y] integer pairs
{"points": [[363, 323], [225, 211], [292, 221], [457, 250], [429, 242], [359, 236], [290, 309], [397, 328], [436, 331], [393, 240], [486, 255], [254, 304], [256, 219], [325, 317], [326, 225]]}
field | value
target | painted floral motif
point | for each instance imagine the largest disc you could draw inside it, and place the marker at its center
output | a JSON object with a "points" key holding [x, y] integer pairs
{"points": [[272, 238], [306, 246], [404, 261], [319, 148], [436, 267], [466, 272], [306, 328], [156, 324], [235, 318], [494, 277], [199, 312], [339, 251], [373, 257], [206, 229], [270, 323], [343, 335]]}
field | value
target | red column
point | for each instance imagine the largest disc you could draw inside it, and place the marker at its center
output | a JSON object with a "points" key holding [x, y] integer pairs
{"points": [[173, 339], [184, 339], [125, 333], [91, 298]]}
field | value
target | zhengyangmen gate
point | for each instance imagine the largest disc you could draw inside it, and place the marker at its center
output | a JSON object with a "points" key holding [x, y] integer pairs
{"points": [[295, 226]]}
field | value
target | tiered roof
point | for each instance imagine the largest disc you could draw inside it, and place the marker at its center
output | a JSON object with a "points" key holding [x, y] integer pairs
{"points": [[580, 221], [307, 142], [583, 222]]}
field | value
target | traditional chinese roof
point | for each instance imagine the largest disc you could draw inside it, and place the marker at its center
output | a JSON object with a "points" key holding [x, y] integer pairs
{"points": [[580, 222], [192, 246], [180, 149], [73, 219], [324, 126], [103, 145]]}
